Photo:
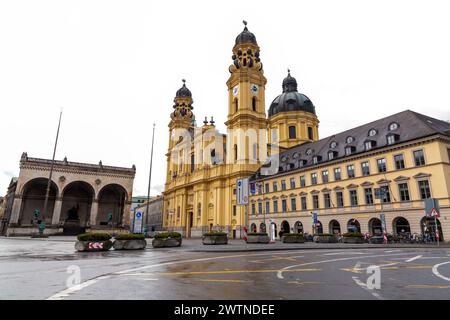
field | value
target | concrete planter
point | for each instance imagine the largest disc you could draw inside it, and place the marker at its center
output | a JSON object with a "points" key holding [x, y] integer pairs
{"points": [[258, 239], [292, 239], [215, 240], [134, 244], [376, 240], [353, 240], [325, 239], [166, 242], [93, 246]]}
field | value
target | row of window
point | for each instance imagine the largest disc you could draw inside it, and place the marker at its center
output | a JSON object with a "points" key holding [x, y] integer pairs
{"points": [[293, 133], [385, 196], [399, 162]]}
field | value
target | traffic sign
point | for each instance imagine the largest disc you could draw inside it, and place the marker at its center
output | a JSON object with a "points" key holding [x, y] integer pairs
{"points": [[314, 217], [434, 213], [430, 205], [242, 191], [137, 227]]}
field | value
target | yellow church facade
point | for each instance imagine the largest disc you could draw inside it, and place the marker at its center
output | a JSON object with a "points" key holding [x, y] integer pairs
{"points": [[203, 165]]}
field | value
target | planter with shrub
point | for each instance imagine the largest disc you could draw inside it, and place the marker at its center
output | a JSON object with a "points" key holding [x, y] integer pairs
{"points": [[325, 238], [93, 242], [293, 238], [166, 239], [353, 237], [130, 241], [258, 237], [215, 237]]}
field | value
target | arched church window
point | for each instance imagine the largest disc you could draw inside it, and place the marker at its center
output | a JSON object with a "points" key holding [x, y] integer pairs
{"points": [[235, 152], [254, 103], [236, 104]]}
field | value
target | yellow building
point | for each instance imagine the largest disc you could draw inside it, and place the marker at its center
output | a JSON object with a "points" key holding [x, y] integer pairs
{"points": [[406, 154], [203, 164]]}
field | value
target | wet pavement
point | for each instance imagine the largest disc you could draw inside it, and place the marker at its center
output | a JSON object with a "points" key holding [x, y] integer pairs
{"points": [[44, 269]]}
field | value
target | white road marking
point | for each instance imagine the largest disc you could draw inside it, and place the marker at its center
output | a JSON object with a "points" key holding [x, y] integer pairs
{"points": [[65, 293], [280, 272], [389, 251], [436, 272], [413, 258], [338, 253], [364, 286]]}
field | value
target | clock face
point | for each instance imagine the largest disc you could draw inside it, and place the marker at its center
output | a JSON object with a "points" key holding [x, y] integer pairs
{"points": [[235, 91], [254, 88]]}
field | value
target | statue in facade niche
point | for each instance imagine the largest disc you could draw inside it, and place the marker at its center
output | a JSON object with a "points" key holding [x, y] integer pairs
{"points": [[72, 214]]}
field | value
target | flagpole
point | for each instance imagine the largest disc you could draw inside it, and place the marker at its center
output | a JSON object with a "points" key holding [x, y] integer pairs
{"points": [[47, 192], [149, 180]]}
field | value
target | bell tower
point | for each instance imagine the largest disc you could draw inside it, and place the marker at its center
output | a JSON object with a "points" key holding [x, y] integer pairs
{"points": [[246, 121], [246, 85], [181, 126]]}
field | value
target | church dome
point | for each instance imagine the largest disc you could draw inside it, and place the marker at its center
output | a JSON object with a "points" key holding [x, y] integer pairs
{"points": [[245, 36], [291, 99], [184, 92]]}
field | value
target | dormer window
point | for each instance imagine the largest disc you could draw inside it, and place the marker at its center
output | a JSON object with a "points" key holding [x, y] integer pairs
{"points": [[393, 126], [392, 138], [372, 132], [332, 155], [333, 144], [284, 158], [296, 155], [301, 162], [349, 150], [309, 152], [349, 139], [317, 159], [369, 144]]}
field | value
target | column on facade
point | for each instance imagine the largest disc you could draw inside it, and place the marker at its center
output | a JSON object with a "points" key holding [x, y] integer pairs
{"points": [[15, 213], [57, 211], [126, 214], [204, 206], [94, 212]]}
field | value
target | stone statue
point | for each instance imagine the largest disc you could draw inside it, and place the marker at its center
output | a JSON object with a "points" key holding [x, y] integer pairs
{"points": [[72, 214]]}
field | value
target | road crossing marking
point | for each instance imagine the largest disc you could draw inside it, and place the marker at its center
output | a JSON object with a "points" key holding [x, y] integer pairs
{"points": [[414, 258], [436, 272]]}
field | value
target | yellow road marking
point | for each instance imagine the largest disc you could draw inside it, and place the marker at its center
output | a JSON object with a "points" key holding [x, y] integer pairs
{"points": [[231, 271], [292, 258], [222, 280], [303, 282], [353, 270], [426, 286]]}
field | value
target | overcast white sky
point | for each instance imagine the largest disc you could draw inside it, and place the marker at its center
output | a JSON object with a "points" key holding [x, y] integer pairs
{"points": [[114, 66]]}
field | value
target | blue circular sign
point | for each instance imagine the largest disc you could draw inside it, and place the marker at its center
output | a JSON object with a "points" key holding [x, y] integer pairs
{"points": [[138, 215]]}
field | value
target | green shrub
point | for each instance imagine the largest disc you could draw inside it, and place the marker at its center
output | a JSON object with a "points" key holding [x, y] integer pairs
{"points": [[293, 235], [324, 235], [257, 234], [130, 236], [94, 236], [215, 233], [353, 235], [165, 235]]}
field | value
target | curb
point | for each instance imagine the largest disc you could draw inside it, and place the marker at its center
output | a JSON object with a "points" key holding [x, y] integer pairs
{"points": [[313, 248]]}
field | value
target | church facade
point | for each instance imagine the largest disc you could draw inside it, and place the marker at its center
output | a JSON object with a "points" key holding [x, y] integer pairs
{"points": [[203, 165]]}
